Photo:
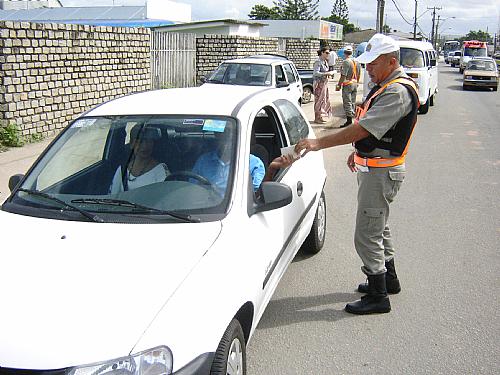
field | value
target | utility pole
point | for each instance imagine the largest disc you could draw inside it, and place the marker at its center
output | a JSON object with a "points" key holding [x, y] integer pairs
{"points": [[380, 15], [415, 23], [433, 23]]}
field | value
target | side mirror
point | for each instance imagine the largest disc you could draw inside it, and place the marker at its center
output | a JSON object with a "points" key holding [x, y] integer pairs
{"points": [[282, 84], [14, 181], [273, 195]]}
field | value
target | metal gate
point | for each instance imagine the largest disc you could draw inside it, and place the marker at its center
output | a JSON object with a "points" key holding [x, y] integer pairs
{"points": [[173, 60]]}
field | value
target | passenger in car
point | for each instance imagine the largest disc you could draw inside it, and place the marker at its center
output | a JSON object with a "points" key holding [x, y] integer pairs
{"points": [[142, 168], [214, 165]]}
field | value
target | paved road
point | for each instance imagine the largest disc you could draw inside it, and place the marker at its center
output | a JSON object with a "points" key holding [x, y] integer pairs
{"points": [[447, 228]]}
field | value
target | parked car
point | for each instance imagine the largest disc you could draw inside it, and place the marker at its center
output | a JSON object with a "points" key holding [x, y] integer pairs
{"points": [[306, 76], [171, 277], [262, 71], [481, 72], [455, 59]]}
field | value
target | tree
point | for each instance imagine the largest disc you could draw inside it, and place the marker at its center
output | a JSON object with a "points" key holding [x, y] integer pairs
{"points": [[297, 9], [478, 35], [340, 15], [261, 12]]}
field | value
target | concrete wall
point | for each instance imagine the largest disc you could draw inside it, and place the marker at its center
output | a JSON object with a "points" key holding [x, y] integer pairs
{"points": [[50, 73]]}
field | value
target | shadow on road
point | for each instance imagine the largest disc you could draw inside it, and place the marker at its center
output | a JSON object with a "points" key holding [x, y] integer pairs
{"points": [[294, 310], [455, 87]]}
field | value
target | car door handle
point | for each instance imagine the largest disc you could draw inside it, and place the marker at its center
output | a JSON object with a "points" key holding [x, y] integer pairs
{"points": [[300, 188]]}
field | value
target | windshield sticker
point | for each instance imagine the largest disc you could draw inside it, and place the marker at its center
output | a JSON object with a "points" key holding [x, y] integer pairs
{"points": [[215, 125], [193, 121], [84, 123]]}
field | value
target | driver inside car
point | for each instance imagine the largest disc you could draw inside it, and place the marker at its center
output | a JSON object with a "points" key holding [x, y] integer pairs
{"points": [[142, 168]]}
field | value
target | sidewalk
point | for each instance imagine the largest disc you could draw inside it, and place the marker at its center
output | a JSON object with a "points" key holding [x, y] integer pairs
{"points": [[19, 159]]}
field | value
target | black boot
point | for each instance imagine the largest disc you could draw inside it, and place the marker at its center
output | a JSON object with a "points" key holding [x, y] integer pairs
{"points": [[376, 301], [391, 280], [347, 123]]}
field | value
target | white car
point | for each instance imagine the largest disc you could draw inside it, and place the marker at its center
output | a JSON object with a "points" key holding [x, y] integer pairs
{"points": [[170, 277], [262, 71]]}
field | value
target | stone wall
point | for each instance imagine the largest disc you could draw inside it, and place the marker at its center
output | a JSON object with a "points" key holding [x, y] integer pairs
{"points": [[50, 73], [302, 52]]}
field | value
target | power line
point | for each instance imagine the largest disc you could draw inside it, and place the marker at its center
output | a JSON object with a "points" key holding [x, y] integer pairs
{"points": [[401, 14]]}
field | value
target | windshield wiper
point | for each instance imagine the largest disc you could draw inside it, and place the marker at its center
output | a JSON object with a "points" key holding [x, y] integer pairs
{"points": [[124, 203], [87, 214]]}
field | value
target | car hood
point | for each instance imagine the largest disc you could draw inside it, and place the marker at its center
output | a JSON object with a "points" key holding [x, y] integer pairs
{"points": [[77, 292]]}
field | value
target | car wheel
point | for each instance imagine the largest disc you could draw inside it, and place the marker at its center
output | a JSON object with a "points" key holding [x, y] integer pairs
{"points": [[432, 100], [495, 88], [230, 357], [307, 95], [424, 108], [316, 238]]}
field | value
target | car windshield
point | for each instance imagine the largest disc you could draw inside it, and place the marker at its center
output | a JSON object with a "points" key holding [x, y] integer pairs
{"points": [[412, 58], [475, 52], [481, 65], [161, 167], [242, 74]]}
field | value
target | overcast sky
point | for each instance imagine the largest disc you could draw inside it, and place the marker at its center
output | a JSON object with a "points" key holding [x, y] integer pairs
{"points": [[469, 14]]}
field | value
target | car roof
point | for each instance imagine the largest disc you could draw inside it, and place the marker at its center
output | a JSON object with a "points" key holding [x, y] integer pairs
{"points": [[487, 58], [258, 60], [222, 100], [415, 44]]}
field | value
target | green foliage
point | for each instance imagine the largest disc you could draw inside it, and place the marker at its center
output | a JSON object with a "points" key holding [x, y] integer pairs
{"points": [[297, 9], [261, 12], [10, 136], [477, 35], [340, 11], [340, 15]]}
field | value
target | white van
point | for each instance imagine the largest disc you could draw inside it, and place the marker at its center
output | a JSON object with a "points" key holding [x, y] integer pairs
{"points": [[419, 60]]}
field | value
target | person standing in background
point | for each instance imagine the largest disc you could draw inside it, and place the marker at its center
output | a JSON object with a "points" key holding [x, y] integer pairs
{"points": [[349, 78], [321, 73]]}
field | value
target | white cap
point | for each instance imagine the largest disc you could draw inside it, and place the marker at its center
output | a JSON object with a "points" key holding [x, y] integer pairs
{"points": [[348, 48], [379, 44]]}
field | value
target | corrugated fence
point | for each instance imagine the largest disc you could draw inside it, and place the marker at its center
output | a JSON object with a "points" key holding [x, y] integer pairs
{"points": [[173, 60]]}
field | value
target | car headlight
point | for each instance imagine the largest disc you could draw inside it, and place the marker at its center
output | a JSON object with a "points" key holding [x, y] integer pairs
{"points": [[156, 361], [468, 77]]}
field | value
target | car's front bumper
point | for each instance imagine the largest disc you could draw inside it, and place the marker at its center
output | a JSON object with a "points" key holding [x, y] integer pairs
{"points": [[481, 82], [201, 365]]}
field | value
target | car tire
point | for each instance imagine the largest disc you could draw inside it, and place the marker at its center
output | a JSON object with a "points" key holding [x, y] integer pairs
{"points": [[316, 238], [424, 108], [495, 88], [307, 95], [432, 100], [230, 357]]}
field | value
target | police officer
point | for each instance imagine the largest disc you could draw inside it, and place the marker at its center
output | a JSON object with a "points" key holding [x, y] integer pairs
{"points": [[381, 132], [349, 78]]}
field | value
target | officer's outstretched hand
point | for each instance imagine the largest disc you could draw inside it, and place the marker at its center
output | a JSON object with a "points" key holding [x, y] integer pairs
{"points": [[307, 145], [351, 164]]}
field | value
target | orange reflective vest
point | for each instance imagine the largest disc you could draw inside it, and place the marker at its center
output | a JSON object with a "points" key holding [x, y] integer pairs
{"points": [[354, 75], [400, 134]]}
